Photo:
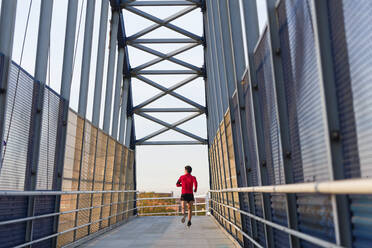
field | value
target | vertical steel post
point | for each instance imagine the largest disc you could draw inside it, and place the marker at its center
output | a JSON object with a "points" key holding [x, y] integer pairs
{"points": [[123, 110], [273, 25], [84, 86], [85, 65], [41, 66], [213, 65], [251, 36], [65, 93], [117, 95], [110, 69], [229, 86], [7, 22], [96, 113], [128, 131], [341, 211], [236, 37]]}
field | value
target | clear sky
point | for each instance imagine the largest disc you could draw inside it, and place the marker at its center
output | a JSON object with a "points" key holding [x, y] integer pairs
{"points": [[158, 167]]}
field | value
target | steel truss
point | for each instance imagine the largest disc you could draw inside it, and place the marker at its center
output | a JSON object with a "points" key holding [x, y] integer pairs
{"points": [[191, 40]]}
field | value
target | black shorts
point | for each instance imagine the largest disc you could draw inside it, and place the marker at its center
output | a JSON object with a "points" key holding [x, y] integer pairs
{"points": [[187, 197]]}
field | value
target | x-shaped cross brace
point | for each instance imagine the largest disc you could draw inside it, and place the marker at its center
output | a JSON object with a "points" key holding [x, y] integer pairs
{"points": [[169, 91], [165, 23], [168, 126], [168, 56]]}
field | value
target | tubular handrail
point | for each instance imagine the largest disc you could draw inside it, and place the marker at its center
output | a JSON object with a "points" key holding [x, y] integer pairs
{"points": [[159, 206], [348, 186], [290, 231], [240, 230], [199, 211], [7, 222], [71, 229], [50, 192], [167, 198]]}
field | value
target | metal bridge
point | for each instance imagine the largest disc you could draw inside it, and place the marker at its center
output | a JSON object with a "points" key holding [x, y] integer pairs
{"points": [[287, 107]]}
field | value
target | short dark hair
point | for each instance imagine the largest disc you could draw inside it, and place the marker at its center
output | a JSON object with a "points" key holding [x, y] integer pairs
{"points": [[188, 168]]}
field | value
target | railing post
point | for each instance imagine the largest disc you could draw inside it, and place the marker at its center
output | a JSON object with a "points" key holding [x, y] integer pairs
{"points": [[340, 203], [207, 204]]}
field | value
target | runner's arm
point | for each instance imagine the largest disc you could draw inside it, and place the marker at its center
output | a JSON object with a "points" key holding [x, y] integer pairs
{"points": [[195, 184], [178, 184]]}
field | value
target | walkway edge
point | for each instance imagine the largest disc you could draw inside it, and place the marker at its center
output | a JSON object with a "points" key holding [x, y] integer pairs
{"points": [[228, 235]]}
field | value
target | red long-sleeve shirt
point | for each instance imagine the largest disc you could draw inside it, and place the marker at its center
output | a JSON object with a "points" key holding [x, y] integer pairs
{"points": [[187, 182]]}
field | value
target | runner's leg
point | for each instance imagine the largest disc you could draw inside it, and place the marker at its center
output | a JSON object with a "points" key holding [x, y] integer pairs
{"points": [[183, 211], [189, 207]]}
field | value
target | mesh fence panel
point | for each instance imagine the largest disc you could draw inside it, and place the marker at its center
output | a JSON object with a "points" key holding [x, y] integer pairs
{"points": [[351, 35], [18, 114], [306, 109], [98, 178]]}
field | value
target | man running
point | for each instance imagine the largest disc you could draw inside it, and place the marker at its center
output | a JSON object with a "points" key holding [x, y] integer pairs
{"points": [[187, 181]]}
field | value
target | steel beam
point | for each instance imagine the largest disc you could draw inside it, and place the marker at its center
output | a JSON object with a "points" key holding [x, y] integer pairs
{"points": [[157, 3], [96, 113], [340, 203], [67, 72], [163, 23], [165, 72], [273, 31], [167, 110], [173, 88], [85, 65], [128, 131], [117, 94], [7, 22], [166, 20], [167, 128], [169, 56], [170, 143], [161, 41], [163, 123], [251, 37], [110, 70], [123, 109], [41, 66], [172, 93]]}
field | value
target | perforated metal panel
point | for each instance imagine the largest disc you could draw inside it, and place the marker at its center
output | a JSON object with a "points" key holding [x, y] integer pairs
{"points": [[294, 138], [20, 100], [307, 122], [351, 34]]}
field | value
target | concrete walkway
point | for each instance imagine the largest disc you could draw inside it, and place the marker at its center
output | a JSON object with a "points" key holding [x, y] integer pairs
{"points": [[164, 231]]}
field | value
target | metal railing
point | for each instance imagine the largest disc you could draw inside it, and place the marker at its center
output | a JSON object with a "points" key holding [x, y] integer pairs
{"points": [[345, 187], [128, 210], [58, 193], [175, 206]]}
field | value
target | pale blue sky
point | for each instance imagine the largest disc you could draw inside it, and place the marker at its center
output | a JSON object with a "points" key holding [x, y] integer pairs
{"points": [[158, 167]]}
